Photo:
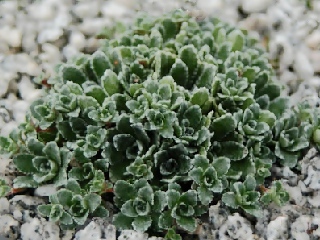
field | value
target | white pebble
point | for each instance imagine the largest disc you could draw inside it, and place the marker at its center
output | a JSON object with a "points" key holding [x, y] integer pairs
{"points": [[93, 26], [110, 232], [12, 36], [49, 35], [313, 40], [314, 57], [4, 204], [299, 227], [46, 190], [27, 90], [92, 232], [132, 235], [40, 11], [302, 66], [6, 223], [236, 227], [278, 228], [17, 214], [113, 9], [19, 109], [86, 9], [250, 6], [7, 128], [70, 51], [78, 40]]}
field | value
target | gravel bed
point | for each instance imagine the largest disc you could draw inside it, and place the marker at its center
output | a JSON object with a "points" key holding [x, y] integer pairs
{"points": [[36, 35]]}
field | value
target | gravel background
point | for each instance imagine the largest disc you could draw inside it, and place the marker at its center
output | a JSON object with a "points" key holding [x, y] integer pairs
{"points": [[36, 35]]}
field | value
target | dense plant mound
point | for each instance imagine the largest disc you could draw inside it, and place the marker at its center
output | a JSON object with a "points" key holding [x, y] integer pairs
{"points": [[172, 114]]}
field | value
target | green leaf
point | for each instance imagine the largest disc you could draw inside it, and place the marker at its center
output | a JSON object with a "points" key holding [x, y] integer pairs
{"points": [[45, 209], [141, 223], [179, 73], [205, 195], [96, 92], [110, 82], [229, 199], [93, 201], [189, 197], [188, 54], [65, 197], [122, 222], [100, 63], [24, 182], [73, 186], [187, 223], [250, 183], [172, 235], [101, 212], [128, 209], [196, 175], [24, 163], [73, 74], [236, 38], [221, 165], [124, 190], [52, 152], [35, 147], [163, 62], [233, 150], [173, 198], [200, 97], [66, 131], [279, 105], [160, 201], [165, 220], [207, 76], [223, 125], [66, 218]]}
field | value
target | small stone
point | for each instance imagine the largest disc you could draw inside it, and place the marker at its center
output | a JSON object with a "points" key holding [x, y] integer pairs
{"points": [[32, 230], [93, 26], [6, 129], [40, 11], [12, 36], [278, 228], [255, 6], [19, 109], [110, 232], [314, 200], [70, 51], [91, 231], [299, 227], [9, 227], [312, 180], [77, 40], [27, 90], [49, 35], [302, 66], [17, 214], [314, 57], [313, 40], [236, 227], [4, 204], [21, 63], [45, 190], [132, 235], [113, 9], [86, 9]]}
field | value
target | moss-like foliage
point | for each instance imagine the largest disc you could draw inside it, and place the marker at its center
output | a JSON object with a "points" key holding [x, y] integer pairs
{"points": [[169, 116]]}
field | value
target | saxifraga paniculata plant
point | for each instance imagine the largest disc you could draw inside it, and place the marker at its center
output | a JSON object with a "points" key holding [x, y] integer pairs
{"points": [[168, 117]]}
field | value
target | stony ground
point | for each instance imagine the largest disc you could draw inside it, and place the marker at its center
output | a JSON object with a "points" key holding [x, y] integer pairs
{"points": [[36, 35]]}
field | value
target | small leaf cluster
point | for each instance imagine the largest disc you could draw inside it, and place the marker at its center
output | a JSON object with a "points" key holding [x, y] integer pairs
{"points": [[169, 116]]}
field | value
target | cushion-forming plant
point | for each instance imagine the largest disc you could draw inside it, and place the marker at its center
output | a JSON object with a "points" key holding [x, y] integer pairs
{"points": [[167, 117]]}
